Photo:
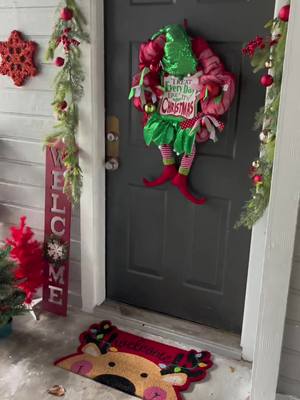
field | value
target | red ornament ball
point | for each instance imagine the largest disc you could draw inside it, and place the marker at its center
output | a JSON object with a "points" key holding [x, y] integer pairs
{"points": [[266, 80], [284, 13], [66, 14], [59, 61], [257, 179]]}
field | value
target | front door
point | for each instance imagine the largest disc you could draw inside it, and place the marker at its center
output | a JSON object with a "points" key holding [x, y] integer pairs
{"points": [[163, 252]]}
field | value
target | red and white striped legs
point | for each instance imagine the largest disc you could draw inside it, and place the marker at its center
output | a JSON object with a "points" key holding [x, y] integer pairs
{"points": [[186, 162], [167, 154], [180, 180]]}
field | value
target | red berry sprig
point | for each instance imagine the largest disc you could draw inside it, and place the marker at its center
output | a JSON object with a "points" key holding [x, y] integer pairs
{"points": [[66, 40], [63, 105], [250, 48]]}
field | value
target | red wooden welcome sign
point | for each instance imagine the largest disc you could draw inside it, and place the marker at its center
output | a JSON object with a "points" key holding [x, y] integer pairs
{"points": [[57, 225]]}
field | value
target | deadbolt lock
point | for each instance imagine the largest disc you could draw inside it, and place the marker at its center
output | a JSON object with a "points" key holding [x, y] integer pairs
{"points": [[112, 137]]}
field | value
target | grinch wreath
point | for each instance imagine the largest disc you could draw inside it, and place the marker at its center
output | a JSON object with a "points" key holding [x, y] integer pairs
{"points": [[182, 88]]}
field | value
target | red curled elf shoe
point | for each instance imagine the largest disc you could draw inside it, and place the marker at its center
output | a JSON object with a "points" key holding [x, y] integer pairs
{"points": [[181, 182], [168, 173]]}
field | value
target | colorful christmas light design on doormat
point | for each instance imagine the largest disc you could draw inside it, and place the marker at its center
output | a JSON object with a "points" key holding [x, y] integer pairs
{"points": [[135, 365]]}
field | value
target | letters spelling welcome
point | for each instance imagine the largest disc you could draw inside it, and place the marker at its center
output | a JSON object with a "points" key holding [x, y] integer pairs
{"points": [[57, 275], [179, 98]]}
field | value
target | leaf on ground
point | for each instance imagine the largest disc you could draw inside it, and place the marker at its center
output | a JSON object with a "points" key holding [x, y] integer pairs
{"points": [[57, 390]]}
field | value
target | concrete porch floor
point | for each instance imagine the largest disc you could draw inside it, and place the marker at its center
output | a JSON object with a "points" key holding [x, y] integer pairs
{"points": [[27, 371]]}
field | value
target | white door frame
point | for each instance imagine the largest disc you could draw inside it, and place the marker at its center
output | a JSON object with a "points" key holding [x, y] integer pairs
{"points": [[255, 272], [274, 261], [281, 225], [92, 156]]}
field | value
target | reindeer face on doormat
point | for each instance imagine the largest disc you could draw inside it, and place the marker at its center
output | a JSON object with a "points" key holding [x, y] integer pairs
{"points": [[144, 368]]}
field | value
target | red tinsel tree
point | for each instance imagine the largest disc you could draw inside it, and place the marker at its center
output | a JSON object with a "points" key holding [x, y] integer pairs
{"points": [[28, 254]]}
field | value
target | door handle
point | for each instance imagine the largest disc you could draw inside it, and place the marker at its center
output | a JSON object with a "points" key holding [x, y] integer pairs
{"points": [[112, 138]]}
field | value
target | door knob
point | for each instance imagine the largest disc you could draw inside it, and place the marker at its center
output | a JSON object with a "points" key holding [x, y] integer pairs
{"points": [[112, 164], [112, 133]]}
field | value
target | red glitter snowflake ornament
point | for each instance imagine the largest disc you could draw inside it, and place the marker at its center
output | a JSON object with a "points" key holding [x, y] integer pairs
{"points": [[17, 58]]}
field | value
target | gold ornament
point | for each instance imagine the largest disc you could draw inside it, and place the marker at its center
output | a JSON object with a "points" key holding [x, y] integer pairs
{"points": [[269, 64], [150, 108], [255, 164]]}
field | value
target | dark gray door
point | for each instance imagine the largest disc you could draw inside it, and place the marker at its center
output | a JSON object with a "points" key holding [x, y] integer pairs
{"points": [[164, 253]]}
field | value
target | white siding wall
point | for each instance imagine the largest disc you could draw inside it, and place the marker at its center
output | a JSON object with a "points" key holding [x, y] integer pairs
{"points": [[25, 118], [289, 379]]}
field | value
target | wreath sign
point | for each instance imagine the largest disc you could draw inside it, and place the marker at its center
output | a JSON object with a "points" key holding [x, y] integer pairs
{"points": [[182, 89]]}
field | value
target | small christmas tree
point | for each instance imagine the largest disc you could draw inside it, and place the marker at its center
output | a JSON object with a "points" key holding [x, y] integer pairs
{"points": [[11, 297], [28, 254]]}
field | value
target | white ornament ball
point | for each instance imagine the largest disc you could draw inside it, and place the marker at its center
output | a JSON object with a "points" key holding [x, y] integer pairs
{"points": [[262, 137]]}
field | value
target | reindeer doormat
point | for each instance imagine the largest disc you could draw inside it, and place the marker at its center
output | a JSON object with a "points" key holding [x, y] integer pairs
{"points": [[144, 368]]}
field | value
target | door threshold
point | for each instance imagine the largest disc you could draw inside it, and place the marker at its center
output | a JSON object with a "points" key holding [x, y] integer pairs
{"points": [[199, 336]]}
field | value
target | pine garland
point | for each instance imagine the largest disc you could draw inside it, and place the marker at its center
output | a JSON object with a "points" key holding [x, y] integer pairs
{"points": [[68, 85], [265, 53]]}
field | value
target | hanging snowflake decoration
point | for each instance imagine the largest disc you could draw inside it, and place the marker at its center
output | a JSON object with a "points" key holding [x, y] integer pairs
{"points": [[56, 251], [17, 58]]}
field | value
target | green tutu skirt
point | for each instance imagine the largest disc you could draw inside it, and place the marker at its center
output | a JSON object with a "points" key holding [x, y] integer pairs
{"points": [[166, 130]]}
